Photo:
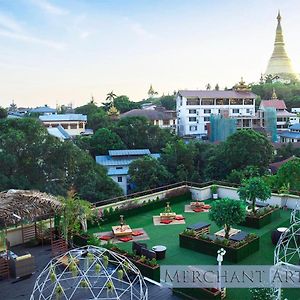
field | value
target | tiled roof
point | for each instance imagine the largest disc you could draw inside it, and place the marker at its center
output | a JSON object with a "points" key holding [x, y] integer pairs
{"points": [[151, 114], [63, 117], [278, 104], [129, 152], [217, 94]]}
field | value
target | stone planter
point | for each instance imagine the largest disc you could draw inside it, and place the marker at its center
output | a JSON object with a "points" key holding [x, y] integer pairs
{"points": [[210, 248]]}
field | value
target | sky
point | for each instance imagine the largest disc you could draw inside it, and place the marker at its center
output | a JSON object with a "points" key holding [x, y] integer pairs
{"points": [[59, 52]]}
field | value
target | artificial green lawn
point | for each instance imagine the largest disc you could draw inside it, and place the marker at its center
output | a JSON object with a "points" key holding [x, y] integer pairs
{"points": [[167, 235]]}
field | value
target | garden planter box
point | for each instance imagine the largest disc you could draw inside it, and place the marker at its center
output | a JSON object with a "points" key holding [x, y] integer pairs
{"points": [[80, 240], [210, 248], [259, 222], [201, 294], [147, 271]]}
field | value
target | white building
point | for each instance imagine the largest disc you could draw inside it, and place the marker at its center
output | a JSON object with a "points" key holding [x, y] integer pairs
{"points": [[292, 135], [194, 108], [74, 124], [117, 163]]}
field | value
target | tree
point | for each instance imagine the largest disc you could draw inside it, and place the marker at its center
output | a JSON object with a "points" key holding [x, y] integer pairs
{"points": [[98, 120], [103, 140], [110, 97], [168, 102], [178, 159], [289, 174], [123, 104], [226, 213], [252, 189], [3, 113], [147, 173], [237, 176]]}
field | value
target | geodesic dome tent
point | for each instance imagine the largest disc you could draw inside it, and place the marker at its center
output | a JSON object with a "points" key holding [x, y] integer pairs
{"points": [[90, 273]]}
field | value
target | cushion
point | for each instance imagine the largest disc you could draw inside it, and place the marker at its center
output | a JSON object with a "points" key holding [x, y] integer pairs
{"points": [[198, 210], [125, 239], [179, 218], [206, 206], [23, 257], [137, 233], [165, 221], [105, 237]]}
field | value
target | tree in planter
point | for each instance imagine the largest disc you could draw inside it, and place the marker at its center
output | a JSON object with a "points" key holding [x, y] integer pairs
{"points": [[252, 189], [75, 214], [227, 212]]}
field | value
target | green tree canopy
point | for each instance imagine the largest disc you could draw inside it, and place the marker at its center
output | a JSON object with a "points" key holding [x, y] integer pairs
{"points": [[32, 159], [289, 174], [103, 140], [123, 104], [226, 213], [252, 189], [3, 113], [147, 173]]}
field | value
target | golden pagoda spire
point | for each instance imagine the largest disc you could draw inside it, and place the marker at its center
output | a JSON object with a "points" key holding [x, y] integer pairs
{"points": [[279, 63], [274, 96]]}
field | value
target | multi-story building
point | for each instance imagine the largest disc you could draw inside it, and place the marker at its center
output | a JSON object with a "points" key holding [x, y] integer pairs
{"points": [[157, 115], [292, 135], [194, 108], [117, 164], [74, 124], [283, 117]]}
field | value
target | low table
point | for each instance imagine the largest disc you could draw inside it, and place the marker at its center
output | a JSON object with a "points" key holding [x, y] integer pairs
{"points": [[200, 228], [197, 204], [232, 232], [239, 236], [160, 251], [120, 231], [276, 234], [167, 216]]}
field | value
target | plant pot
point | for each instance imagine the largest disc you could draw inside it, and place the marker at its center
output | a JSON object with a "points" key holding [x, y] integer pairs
{"points": [[215, 196]]}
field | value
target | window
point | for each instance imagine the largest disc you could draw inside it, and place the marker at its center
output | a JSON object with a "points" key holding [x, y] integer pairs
{"points": [[222, 101], [192, 111], [65, 126], [236, 101], [194, 101], [207, 111], [73, 126], [207, 101], [120, 179], [119, 168], [192, 119], [248, 101], [248, 110], [80, 125], [166, 122], [193, 128], [235, 111], [206, 119]]}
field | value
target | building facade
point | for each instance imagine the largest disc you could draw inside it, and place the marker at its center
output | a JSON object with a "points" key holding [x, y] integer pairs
{"points": [[117, 164], [73, 124], [157, 115], [292, 135], [194, 108]]}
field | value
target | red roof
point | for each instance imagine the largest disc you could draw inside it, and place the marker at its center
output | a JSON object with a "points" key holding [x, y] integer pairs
{"points": [[276, 165], [277, 104]]}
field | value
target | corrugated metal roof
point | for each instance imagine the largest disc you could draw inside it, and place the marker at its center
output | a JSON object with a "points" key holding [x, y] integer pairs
{"points": [[128, 152], [150, 114], [295, 126], [217, 94], [58, 132], [278, 104], [291, 135], [42, 109], [63, 117], [115, 172]]}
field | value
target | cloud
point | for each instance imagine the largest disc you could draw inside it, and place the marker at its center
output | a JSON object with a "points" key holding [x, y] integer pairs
{"points": [[138, 29], [8, 23], [32, 39], [50, 8]]}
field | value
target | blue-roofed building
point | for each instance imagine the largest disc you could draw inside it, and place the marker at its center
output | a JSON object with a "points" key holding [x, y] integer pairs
{"points": [[59, 132], [117, 164], [43, 110], [73, 124], [292, 135]]}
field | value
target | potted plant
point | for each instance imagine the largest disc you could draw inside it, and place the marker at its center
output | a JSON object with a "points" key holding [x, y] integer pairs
{"points": [[214, 191]]}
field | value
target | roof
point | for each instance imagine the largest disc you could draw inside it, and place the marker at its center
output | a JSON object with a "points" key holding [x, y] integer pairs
{"points": [[106, 160], [152, 114], [129, 152], [295, 126], [217, 94], [278, 104], [42, 109], [289, 134], [116, 172], [63, 117], [276, 165], [59, 132], [279, 145], [17, 206], [285, 113]]}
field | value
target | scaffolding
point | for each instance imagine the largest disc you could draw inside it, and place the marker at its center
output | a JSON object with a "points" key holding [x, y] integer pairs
{"points": [[270, 122], [221, 128]]}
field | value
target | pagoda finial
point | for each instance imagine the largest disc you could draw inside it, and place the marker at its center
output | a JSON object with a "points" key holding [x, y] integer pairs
{"points": [[279, 16], [274, 96]]}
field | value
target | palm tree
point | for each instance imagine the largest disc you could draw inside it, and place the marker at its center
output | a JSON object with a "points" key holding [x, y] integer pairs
{"points": [[110, 97]]}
